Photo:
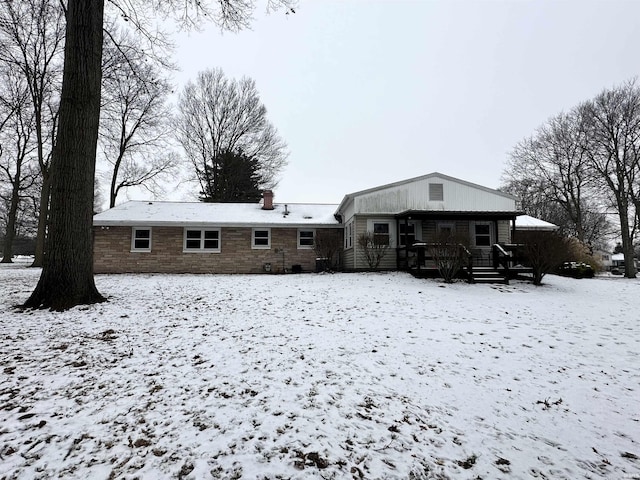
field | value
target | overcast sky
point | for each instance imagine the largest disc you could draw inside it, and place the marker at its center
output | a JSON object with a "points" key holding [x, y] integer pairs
{"points": [[371, 92]]}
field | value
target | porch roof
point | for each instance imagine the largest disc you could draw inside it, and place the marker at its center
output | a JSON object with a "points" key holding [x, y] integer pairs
{"points": [[458, 215]]}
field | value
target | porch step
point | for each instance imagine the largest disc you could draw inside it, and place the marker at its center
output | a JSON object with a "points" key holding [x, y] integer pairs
{"points": [[487, 275]]}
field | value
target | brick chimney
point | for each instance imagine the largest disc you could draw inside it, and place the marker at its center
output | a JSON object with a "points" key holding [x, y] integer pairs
{"points": [[267, 196]]}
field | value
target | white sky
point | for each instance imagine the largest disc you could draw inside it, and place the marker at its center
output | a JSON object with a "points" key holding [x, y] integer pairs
{"points": [[367, 93]]}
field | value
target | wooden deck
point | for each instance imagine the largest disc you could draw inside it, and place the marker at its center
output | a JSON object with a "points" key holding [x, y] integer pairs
{"points": [[505, 264]]}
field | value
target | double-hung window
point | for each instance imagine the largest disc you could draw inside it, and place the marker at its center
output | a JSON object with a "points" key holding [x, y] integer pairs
{"points": [[381, 233], [483, 234], [261, 238], [140, 239], [202, 240], [306, 238]]}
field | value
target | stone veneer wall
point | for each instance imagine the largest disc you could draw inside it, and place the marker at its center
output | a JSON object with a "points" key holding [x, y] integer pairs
{"points": [[112, 252]]}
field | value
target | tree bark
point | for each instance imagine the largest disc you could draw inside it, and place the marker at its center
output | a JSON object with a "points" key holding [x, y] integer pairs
{"points": [[10, 234], [67, 274], [43, 218]]}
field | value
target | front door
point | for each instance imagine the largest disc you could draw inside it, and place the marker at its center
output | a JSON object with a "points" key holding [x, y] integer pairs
{"points": [[482, 239]]}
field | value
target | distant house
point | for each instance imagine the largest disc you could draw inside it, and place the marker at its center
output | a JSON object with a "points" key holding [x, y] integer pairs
{"points": [[181, 237], [196, 237], [617, 263]]}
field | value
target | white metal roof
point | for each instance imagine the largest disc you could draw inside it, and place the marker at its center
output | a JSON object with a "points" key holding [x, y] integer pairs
{"points": [[526, 222], [152, 213]]}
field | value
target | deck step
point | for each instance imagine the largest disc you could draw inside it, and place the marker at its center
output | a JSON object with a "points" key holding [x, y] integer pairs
{"points": [[487, 275]]}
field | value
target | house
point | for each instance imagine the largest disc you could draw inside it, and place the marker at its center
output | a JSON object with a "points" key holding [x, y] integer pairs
{"points": [[617, 263], [423, 210], [407, 216], [196, 237]]}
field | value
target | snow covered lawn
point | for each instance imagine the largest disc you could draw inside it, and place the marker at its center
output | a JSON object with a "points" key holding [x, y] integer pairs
{"points": [[363, 376]]}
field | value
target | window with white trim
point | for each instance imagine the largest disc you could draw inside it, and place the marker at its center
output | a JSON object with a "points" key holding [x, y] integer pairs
{"points": [[382, 233], [306, 238], [261, 238], [202, 240], [140, 239], [482, 233], [348, 236]]}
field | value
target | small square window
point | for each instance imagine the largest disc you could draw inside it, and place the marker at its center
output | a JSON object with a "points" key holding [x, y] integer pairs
{"points": [[141, 240], [306, 238], [261, 238]]}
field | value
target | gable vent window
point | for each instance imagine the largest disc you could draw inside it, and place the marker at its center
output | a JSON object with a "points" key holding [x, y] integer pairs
{"points": [[436, 192]]}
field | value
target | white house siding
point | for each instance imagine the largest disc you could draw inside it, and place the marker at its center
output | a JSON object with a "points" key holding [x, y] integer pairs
{"points": [[353, 257], [504, 231], [414, 195], [348, 254]]}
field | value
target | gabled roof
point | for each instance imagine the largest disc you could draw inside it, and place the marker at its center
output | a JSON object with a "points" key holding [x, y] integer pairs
{"points": [[145, 213], [351, 196]]}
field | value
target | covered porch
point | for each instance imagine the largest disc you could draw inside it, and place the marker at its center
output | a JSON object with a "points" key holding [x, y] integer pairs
{"points": [[483, 243]]}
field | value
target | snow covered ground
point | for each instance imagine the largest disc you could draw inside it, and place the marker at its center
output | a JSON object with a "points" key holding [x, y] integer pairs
{"points": [[344, 376]]}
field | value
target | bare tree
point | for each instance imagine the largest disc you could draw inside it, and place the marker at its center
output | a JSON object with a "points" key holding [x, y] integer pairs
{"points": [[16, 131], [67, 274], [613, 122], [135, 118], [327, 245], [217, 116], [31, 42], [544, 252], [550, 172]]}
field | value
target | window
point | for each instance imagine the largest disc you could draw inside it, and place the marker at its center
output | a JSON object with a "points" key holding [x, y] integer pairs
{"points": [[436, 192], [261, 238], [141, 240], [407, 233], [202, 240], [348, 236], [306, 238], [482, 234], [381, 233], [445, 232]]}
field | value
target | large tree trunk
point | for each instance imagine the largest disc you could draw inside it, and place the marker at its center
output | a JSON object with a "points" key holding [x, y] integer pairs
{"points": [[43, 217], [627, 241], [10, 234], [67, 274]]}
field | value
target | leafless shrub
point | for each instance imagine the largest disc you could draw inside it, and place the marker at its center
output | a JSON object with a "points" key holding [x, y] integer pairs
{"points": [[544, 252], [327, 245], [450, 254], [373, 248]]}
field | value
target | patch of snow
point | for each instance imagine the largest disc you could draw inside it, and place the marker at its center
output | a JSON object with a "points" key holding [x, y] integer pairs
{"points": [[527, 222], [376, 376], [220, 214]]}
